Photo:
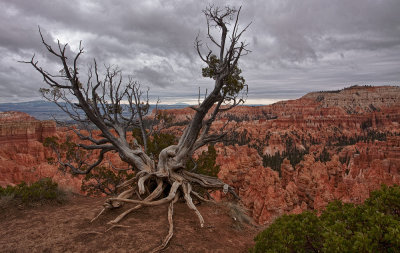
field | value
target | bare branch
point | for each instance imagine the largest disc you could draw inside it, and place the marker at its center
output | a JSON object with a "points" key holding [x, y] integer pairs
{"points": [[105, 101]]}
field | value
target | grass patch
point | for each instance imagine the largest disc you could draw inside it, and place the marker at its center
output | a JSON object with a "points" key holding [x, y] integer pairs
{"points": [[39, 192]]}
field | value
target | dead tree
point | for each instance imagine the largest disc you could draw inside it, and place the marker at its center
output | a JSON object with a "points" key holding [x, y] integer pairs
{"points": [[100, 101]]}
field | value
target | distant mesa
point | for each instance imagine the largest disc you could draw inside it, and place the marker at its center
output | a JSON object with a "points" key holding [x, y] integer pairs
{"points": [[11, 116], [357, 99], [20, 126], [44, 110]]}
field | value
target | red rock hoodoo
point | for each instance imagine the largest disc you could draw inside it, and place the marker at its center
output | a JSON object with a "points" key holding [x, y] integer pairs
{"points": [[287, 157], [301, 154], [22, 155]]}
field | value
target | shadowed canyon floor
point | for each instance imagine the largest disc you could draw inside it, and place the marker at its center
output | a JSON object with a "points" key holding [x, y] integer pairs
{"points": [[67, 228]]}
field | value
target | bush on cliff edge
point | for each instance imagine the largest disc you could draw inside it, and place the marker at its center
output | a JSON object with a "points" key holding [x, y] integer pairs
{"points": [[371, 227]]}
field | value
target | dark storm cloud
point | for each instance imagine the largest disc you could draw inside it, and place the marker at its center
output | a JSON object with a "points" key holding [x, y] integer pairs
{"points": [[298, 46], [161, 75]]}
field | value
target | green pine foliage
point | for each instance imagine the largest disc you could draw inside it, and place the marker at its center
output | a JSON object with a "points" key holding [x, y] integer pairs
{"points": [[291, 152], [366, 136], [386, 201], [371, 227], [324, 156], [206, 162], [233, 83], [159, 141], [274, 161], [291, 233], [156, 143]]}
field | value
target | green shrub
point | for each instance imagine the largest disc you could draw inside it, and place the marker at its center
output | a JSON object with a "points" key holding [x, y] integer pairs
{"points": [[159, 141], [156, 143], [363, 228], [206, 162], [291, 233], [386, 200], [42, 190], [371, 227], [103, 180]]}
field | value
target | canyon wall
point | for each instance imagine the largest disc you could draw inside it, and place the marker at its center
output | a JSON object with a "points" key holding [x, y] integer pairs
{"points": [[311, 184], [21, 127], [307, 152], [301, 154], [24, 158], [287, 157], [22, 155]]}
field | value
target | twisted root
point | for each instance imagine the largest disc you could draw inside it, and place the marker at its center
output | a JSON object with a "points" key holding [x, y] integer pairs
{"points": [[181, 185], [171, 225]]}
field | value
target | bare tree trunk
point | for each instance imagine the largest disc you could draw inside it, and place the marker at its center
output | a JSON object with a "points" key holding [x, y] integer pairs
{"points": [[102, 102]]}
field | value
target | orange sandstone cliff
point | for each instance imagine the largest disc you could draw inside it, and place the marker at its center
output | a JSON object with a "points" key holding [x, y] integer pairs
{"points": [[287, 157], [24, 158], [22, 155], [300, 154]]}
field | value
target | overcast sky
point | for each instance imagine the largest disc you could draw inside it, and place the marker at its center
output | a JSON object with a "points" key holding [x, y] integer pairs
{"points": [[297, 46]]}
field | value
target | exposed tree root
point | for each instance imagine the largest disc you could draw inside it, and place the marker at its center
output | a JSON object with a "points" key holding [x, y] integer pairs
{"points": [[201, 198], [165, 200], [92, 232], [178, 185], [152, 196], [100, 102], [187, 190], [97, 216], [117, 226], [171, 225]]}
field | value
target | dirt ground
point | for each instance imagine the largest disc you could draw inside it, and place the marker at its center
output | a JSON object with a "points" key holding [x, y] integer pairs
{"points": [[66, 228]]}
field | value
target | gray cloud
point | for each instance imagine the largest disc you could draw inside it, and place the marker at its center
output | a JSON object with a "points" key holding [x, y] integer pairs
{"points": [[298, 46], [157, 75]]}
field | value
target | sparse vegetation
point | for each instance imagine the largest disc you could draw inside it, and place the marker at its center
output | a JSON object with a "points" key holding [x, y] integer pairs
{"points": [[371, 227], [292, 153], [368, 136], [324, 156], [273, 161], [43, 190], [104, 180], [206, 164]]}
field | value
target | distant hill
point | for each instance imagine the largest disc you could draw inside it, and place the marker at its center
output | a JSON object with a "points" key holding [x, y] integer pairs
{"points": [[43, 110], [354, 99]]}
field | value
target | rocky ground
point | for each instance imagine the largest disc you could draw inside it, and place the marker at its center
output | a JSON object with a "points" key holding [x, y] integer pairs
{"points": [[67, 228]]}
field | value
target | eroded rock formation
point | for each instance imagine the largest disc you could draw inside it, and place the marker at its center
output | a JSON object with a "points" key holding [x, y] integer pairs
{"points": [[22, 155], [287, 157], [301, 154], [346, 148]]}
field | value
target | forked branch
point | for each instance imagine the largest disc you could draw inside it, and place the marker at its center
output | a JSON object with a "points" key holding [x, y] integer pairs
{"points": [[114, 107]]}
